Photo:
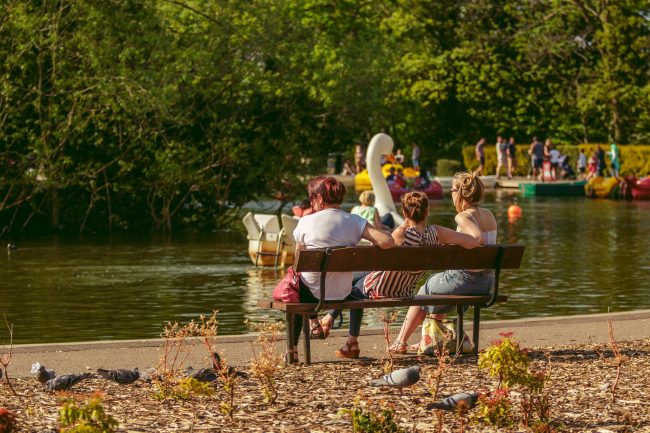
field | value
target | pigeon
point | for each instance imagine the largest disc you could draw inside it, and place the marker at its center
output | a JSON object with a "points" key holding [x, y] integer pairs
{"points": [[399, 378], [230, 370], [66, 381], [202, 375], [450, 403], [121, 375], [43, 374], [150, 375]]}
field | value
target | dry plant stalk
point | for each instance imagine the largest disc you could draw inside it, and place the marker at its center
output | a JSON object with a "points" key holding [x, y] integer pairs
{"points": [[266, 367], [440, 416], [5, 356], [387, 319], [444, 361], [462, 409], [228, 376], [179, 345], [619, 358]]}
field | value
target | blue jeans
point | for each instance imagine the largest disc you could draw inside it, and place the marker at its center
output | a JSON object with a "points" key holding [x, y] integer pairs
{"points": [[456, 282], [356, 315]]}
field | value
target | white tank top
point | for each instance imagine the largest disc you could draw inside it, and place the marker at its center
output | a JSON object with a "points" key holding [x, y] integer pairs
{"points": [[489, 237]]}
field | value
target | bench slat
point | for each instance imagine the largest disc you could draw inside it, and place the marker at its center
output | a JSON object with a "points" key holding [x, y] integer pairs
{"points": [[355, 259], [383, 303]]}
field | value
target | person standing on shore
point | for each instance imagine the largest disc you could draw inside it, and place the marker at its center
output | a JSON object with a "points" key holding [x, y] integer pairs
{"points": [[480, 155], [536, 152], [512, 157], [502, 157], [600, 155], [582, 164], [415, 156], [615, 155]]}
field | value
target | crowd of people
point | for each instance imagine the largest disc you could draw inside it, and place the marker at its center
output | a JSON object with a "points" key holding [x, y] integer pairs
{"points": [[558, 164], [329, 226]]}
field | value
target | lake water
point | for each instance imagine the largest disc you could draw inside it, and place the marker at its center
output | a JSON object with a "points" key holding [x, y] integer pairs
{"points": [[581, 256]]}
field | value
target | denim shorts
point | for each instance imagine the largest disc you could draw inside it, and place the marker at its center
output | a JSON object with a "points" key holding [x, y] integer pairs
{"points": [[456, 282]]}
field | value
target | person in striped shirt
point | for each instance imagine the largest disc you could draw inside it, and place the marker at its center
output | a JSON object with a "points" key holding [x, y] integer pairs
{"points": [[398, 284], [478, 223]]}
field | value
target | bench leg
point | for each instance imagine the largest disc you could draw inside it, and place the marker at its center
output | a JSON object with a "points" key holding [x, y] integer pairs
{"points": [[289, 318], [460, 333], [305, 332], [475, 329]]}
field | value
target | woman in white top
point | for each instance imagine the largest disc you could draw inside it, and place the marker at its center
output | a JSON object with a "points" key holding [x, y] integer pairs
{"points": [[478, 222], [329, 226]]}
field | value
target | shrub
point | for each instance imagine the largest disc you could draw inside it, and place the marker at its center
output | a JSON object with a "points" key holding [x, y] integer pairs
{"points": [[90, 418], [372, 421], [496, 409], [505, 360], [7, 421], [448, 167]]}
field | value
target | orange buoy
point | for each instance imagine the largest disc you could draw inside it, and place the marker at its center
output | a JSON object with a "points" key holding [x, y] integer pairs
{"points": [[514, 211]]}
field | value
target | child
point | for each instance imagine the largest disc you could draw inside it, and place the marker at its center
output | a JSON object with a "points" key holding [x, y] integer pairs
{"points": [[593, 166], [582, 164], [367, 210]]}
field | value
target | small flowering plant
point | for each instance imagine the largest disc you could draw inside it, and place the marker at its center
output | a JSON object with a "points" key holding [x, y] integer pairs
{"points": [[7, 421], [506, 360]]}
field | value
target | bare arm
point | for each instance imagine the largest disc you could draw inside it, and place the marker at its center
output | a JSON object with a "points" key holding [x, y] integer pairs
{"points": [[378, 222], [451, 237], [377, 237], [467, 225], [399, 235]]}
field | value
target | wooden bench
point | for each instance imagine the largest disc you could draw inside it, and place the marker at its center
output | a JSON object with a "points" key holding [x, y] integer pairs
{"points": [[405, 258]]}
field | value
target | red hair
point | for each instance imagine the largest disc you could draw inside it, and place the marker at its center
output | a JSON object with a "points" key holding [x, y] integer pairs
{"points": [[331, 190]]}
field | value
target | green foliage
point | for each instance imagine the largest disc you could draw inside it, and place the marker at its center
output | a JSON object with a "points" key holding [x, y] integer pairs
{"points": [[496, 409], [186, 389], [448, 167], [156, 115], [89, 418], [372, 421], [506, 361], [7, 421]]}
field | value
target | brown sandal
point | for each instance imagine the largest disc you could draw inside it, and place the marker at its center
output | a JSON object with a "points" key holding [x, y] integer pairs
{"points": [[350, 351], [399, 348]]}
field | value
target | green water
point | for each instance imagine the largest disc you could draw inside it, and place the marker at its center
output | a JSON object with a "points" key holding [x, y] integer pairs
{"points": [[581, 257]]}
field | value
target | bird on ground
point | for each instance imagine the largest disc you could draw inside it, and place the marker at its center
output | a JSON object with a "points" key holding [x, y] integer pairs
{"points": [[43, 374], [11, 246], [150, 375], [122, 376], [450, 403], [66, 381], [216, 364], [202, 374], [399, 378]]}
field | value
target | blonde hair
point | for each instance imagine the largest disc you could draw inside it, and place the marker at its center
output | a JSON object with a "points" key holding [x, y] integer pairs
{"points": [[415, 205], [470, 187], [367, 198]]}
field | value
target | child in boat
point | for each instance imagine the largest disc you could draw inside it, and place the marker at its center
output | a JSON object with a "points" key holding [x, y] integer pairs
{"points": [[368, 211], [593, 166]]}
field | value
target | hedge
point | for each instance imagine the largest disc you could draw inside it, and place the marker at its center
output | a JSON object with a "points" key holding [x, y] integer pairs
{"points": [[635, 158]]}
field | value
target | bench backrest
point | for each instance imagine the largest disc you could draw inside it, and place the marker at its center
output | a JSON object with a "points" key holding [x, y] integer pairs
{"points": [[354, 259], [439, 257]]}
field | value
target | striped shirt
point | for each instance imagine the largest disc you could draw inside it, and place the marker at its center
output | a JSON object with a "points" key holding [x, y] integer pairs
{"points": [[399, 284]]}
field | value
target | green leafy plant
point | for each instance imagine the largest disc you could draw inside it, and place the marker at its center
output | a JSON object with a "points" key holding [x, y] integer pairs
{"points": [[505, 360], [89, 418], [186, 389], [369, 420], [448, 167], [496, 409], [7, 421]]}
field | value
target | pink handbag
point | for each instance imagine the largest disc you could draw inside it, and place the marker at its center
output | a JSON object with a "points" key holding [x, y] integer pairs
{"points": [[288, 289]]}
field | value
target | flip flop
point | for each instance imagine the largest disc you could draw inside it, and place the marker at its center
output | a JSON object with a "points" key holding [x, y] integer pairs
{"points": [[317, 332]]}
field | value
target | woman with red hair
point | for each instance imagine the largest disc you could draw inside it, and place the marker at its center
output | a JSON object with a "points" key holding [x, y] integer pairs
{"points": [[329, 226]]}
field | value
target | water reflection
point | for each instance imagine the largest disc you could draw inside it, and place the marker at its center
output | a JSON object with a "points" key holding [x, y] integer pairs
{"points": [[581, 256]]}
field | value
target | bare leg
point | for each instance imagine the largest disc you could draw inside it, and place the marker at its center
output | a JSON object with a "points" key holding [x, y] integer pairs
{"points": [[414, 318]]}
